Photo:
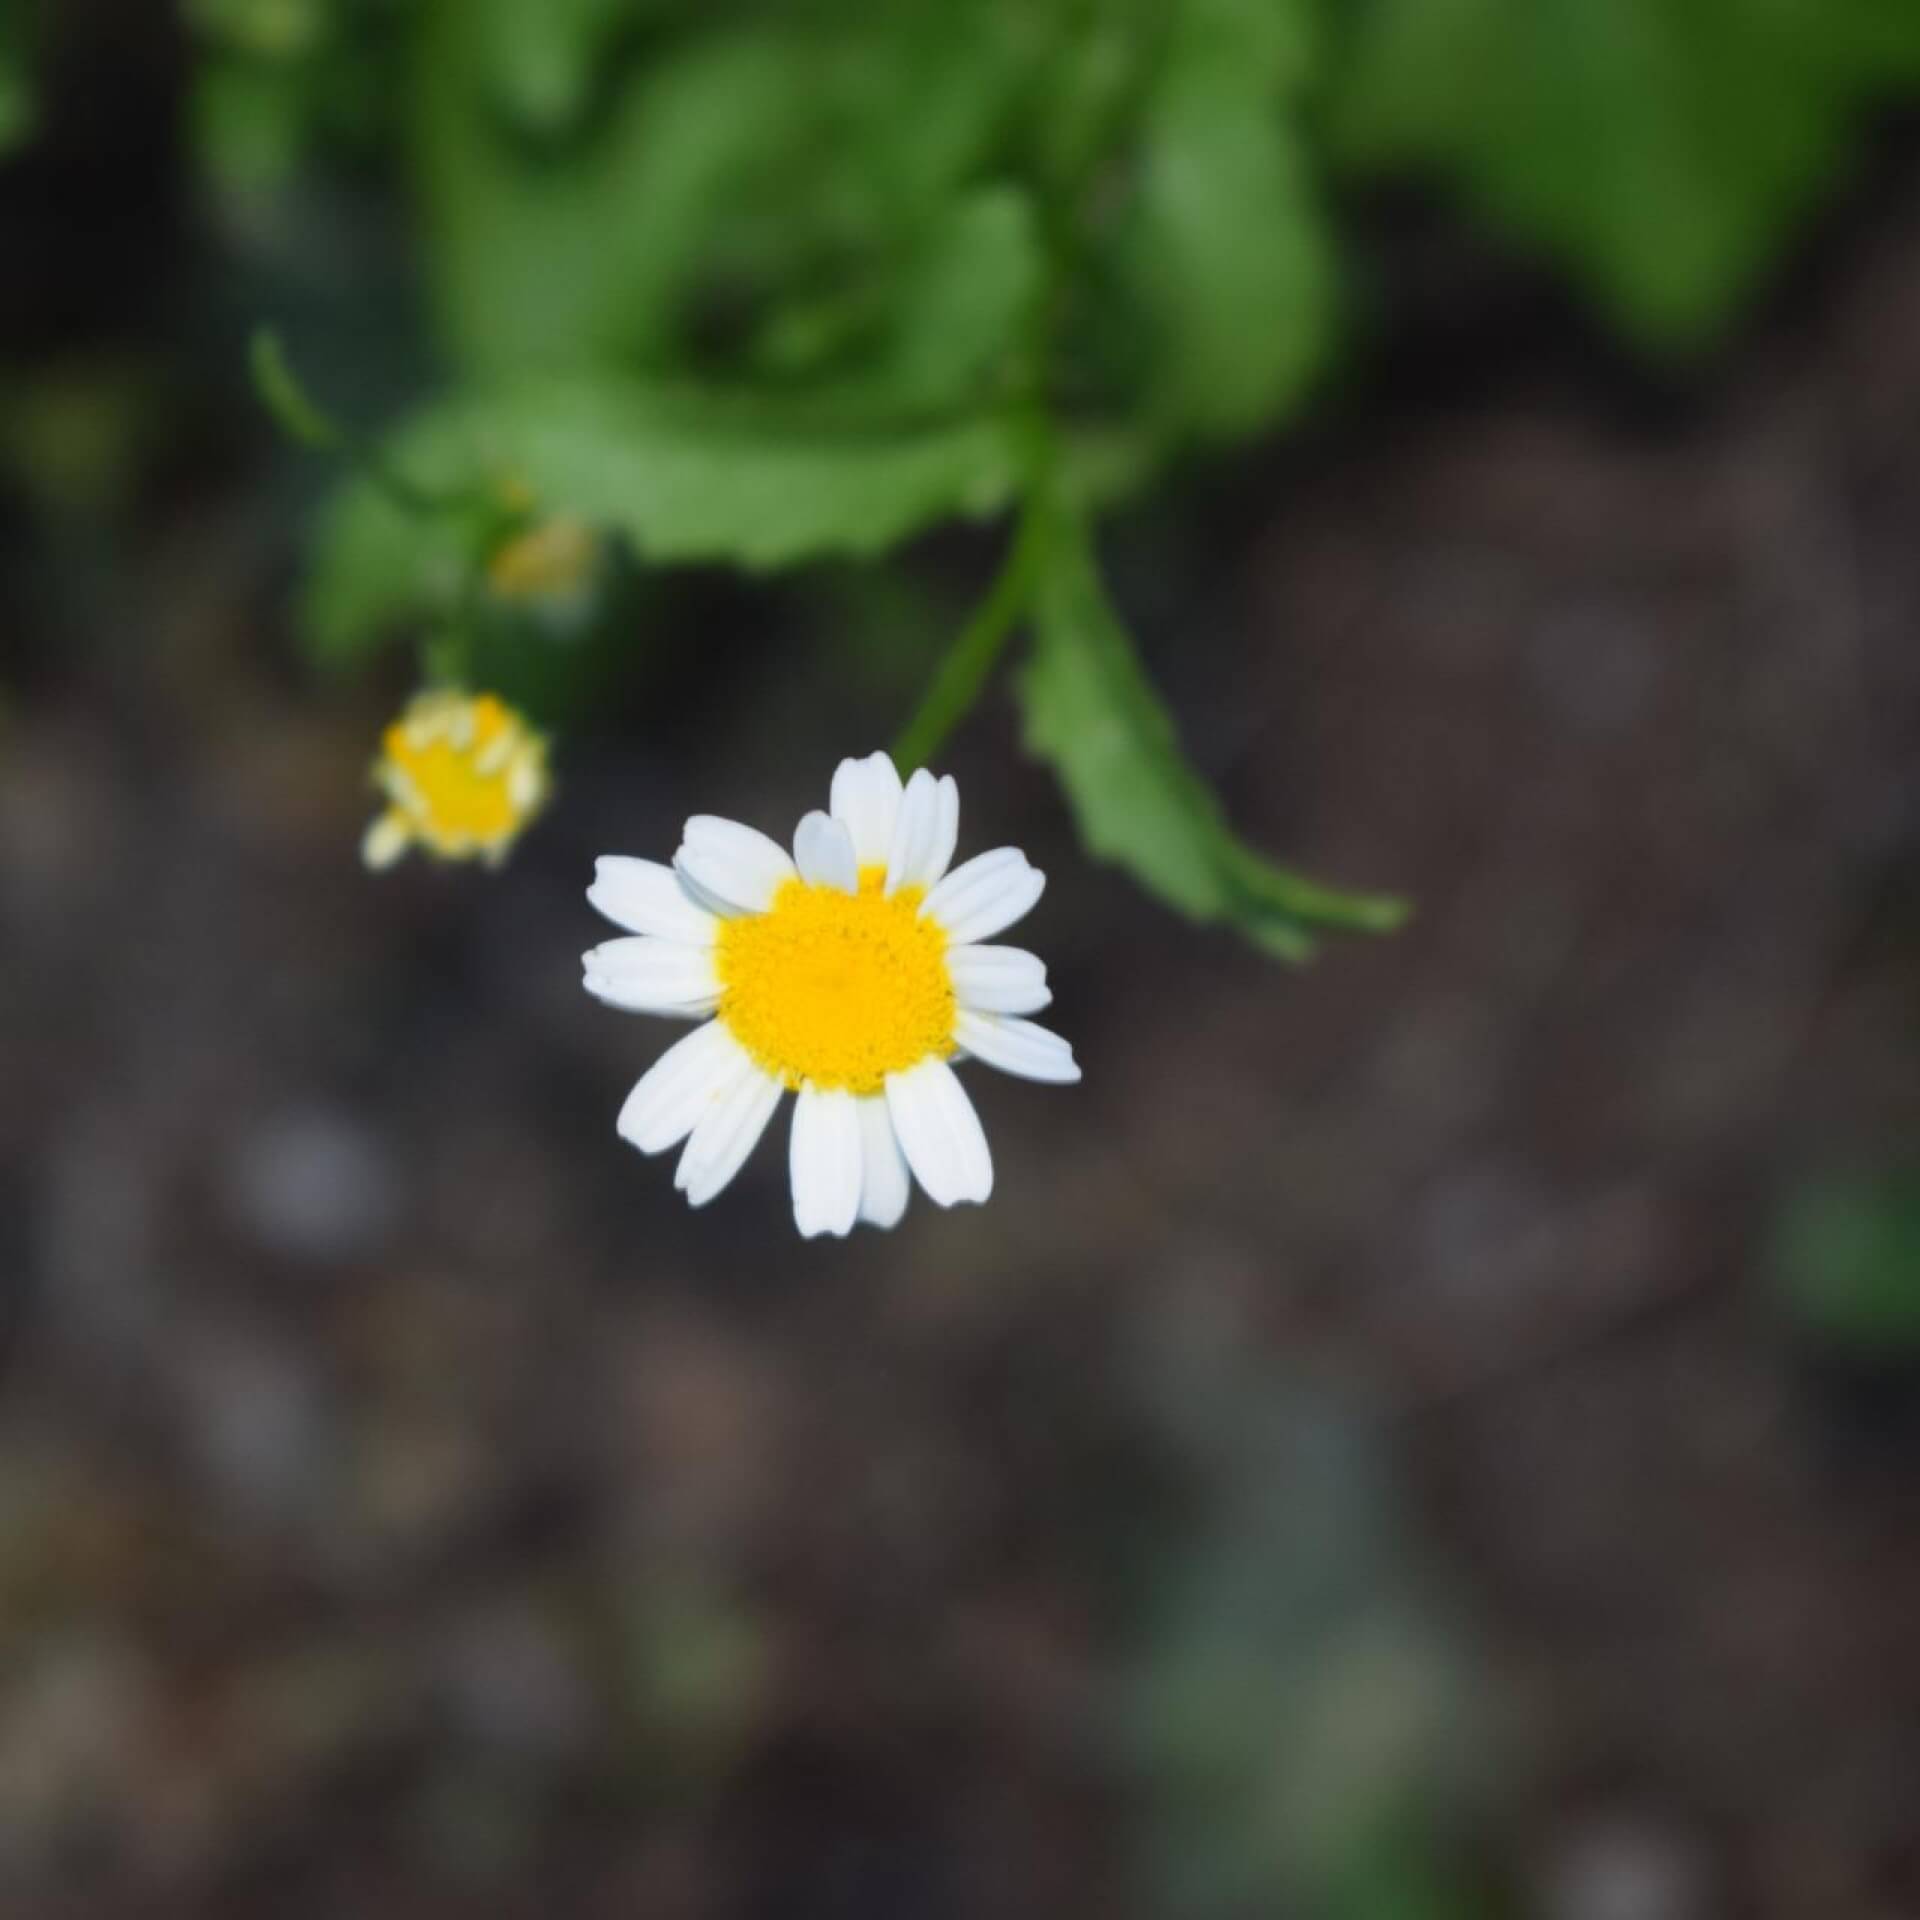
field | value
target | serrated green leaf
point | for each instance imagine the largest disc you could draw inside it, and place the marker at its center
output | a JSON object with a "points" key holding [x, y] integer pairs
{"points": [[1661, 151], [1229, 253], [685, 476], [1091, 712], [691, 476]]}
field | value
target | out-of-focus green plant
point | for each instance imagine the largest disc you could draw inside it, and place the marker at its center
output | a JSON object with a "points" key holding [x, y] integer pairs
{"points": [[766, 284], [278, 80], [74, 432], [1299, 1720], [17, 108], [1661, 148], [1845, 1262]]}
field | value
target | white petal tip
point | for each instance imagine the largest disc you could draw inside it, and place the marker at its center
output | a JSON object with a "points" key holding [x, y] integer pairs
{"points": [[970, 1197], [385, 841], [940, 1134], [825, 1230]]}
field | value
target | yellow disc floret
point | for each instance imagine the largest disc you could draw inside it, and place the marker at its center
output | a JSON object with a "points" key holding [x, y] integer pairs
{"points": [[463, 774], [838, 989]]}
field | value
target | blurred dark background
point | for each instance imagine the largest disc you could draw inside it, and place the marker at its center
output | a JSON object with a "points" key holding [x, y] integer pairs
{"points": [[1435, 1435]]}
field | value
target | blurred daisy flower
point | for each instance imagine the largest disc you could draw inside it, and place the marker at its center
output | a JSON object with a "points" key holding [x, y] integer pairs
{"points": [[852, 974], [463, 775]]}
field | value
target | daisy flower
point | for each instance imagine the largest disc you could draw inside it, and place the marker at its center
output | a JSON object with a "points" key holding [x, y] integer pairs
{"points": [[463, 774], [853, 975]]}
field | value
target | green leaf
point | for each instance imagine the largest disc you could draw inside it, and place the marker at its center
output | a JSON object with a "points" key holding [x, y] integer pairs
{"points": [[541, 61], [1228, 252], [686, 476], [250, 122], [278, 84], [1662, 151], [1845, 1260], [937, 333], [374, 571], [1092, 712], [553, 257], [702, 178]]}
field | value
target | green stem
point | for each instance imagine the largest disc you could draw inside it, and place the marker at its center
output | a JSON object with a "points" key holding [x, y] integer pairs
{"points": [[302, 419], [972, 657], [977, 650]]}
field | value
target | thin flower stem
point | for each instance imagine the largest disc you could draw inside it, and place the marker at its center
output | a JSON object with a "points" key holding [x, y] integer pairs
{"points": [[974, 653], [302, 419]]}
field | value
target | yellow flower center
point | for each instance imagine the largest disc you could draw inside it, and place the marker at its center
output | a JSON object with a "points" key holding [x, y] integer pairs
{"points": [[840, 989], [465, 772]]}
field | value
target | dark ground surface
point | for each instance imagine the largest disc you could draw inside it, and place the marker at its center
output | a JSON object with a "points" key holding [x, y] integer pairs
{"points": [[1360, 1404]]}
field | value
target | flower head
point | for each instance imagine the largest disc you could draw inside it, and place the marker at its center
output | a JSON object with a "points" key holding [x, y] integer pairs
{"points": [[463, 774], [852, 974]]}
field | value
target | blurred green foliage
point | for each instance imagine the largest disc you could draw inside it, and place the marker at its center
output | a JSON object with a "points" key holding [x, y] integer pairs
{"points": [[762, 282], [1226, 250], [687, 475], [17, 110], [1299, 1708], [278, 83], [75, 432], [1661, 148], [1845, 1261]]}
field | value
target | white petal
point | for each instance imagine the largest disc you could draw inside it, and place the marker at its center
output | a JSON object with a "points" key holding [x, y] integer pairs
{"points": [[386, 840], [825, 1161], [1017, 1046], [884, 1185], [985, 896], [948, 836], [998, 979], [823, 851], [728, 1131], [645, 897], [925, 833], [940, 1133], [912, 829], [866, 797], [691, 1078], [708, 902], [734, 865], [652, 976]]}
